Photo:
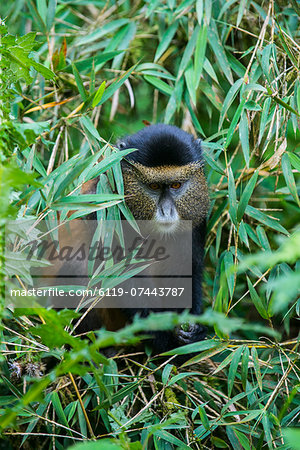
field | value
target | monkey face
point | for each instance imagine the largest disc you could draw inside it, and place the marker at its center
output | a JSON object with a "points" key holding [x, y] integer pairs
{"points": [[166, 195]]}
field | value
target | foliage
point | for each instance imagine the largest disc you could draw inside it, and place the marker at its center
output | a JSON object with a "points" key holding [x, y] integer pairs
{"points": [[225, 71]]}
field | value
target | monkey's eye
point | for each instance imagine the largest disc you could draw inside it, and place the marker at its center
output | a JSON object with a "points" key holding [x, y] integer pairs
{"points": [[154, 186], [176, 185]]}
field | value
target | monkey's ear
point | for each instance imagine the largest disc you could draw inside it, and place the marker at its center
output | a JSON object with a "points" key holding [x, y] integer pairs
{"points": [[198, 143], [121, 145]]}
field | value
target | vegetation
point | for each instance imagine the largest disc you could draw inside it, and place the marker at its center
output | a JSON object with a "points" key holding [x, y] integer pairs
{"points": [[75, 75]]}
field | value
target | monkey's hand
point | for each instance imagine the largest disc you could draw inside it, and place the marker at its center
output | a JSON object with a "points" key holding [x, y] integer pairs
{"points": [[195, 333]]}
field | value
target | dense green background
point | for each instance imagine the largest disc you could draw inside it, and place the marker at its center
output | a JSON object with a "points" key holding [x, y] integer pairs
{"points": [[85, 74]]}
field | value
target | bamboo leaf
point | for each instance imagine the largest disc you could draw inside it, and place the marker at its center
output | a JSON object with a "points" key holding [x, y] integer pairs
{"points": [[289, 177], [257, 301], [263, 218], [218, 49], [165, 40], [244, 137], [233, 367], [231, 95], [256, 366], [98, 94], [200, 54], [232, 197], [246, 196]]}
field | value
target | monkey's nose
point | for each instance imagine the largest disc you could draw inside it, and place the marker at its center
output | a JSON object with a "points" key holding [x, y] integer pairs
{"points": [[166, 212]]}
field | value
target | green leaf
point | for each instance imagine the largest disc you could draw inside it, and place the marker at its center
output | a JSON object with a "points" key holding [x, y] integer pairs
{"points": [[199, 10], [47, 73], [292, 437], [228, 263], [245, 367], [295, 160], [231, 95], [234, 122], [242, 6], [116, 85], [188, 52], [232, 197], [263, 218], [203, 417], [36, 16], [289, 177], [200, 54], [264, 118], [189, 79], [213, 163], [252, 106], [233, 367], [59, 409], [207, 90], [51, 13], [102, 31], [90, 127], [98, 94], [79, 83], [244, 137], [218, 49], [246, 196], [256, 367], [259, 305], [87, 64], [166, 39]]}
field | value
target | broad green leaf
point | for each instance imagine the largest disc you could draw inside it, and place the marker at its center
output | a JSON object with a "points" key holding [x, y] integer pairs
{"points": [[200, 54], [295, 160], [59, 409], [102, 31], [251, 105], [224, 363], [289, 177], [84, 65], [42, 9], [231, 95], [36, 16], [263, 237], [166, 373], [116, 85], [166, 39], [232, 197], [90, 127], [264, 219], [98, 94], [203, 417], [246, 195], [258, 303], [79, 83], [233, 367], [130, 31], [234, 122], [264, 118], [218, 49], [199, 11], [51, 13], [188, 52], [245, 366], [256, 367], [242, 6], [189, 79], [244, 137], [228, 263], [213, 164], [207, 90]]}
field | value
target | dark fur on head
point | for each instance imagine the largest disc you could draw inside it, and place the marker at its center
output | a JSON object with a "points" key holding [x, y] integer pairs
{"points": [[162, 145]]}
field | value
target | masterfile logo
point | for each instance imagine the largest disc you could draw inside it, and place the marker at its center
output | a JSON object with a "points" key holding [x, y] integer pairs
{"points": [[110, 264]]}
